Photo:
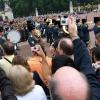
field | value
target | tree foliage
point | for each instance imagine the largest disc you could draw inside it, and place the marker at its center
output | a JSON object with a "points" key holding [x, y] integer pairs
{"points": [[27, 7]]}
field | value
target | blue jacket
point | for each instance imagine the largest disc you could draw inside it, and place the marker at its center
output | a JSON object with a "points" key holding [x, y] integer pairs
{"points": [[84, 65]]}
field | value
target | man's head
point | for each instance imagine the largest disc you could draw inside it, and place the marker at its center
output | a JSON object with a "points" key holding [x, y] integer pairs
{"points": [[69, 84], [8, 48], [65, 46]]}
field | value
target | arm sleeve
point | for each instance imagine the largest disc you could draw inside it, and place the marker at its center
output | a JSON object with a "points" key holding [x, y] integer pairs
{"points": [[84, 65]]}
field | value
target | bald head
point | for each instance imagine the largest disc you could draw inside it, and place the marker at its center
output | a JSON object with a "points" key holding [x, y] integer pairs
{"points": [[65, 46], [69, 84]]}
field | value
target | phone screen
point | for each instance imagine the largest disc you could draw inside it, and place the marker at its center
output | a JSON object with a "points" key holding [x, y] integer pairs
{"points": [[64, 21]]}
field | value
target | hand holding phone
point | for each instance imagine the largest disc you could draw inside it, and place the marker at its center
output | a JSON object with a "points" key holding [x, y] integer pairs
{"points": [[38, 50]]}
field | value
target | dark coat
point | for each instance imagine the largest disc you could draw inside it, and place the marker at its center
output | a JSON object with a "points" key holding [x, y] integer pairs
{"points": [[84, 65]]}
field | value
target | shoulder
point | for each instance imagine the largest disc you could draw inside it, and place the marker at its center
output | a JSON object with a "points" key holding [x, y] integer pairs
{"points": [[2, 61], [38, 87], [39, 90]]}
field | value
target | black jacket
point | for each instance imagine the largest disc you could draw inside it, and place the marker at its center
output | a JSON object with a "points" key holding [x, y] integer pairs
{"points": [[84, 65], [7, 92]]}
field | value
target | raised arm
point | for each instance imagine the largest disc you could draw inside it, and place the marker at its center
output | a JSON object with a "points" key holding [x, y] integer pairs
{"points": [[82, 60]]}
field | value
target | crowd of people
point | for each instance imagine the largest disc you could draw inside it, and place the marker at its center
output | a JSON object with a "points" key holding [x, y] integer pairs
{"points": [[72, 72]]}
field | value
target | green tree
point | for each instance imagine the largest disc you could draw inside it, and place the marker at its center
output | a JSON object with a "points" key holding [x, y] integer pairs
{"points": [[27, 7]]}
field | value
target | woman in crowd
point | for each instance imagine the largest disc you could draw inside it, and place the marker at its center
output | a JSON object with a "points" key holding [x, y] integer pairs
{"points": [[37, 65], [24, 85], [19, 60]]}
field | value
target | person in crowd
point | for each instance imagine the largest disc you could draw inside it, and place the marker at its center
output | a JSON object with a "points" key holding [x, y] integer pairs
{"points": [[37, 63], [84, 33], [33, 37], [49, 33], [69, 84], [96, 59], [24, 85], [61, 60], [55, 29], [6, 89], [65, 47], [20, 60], [9, 52], [97, 25], [59, 89]]}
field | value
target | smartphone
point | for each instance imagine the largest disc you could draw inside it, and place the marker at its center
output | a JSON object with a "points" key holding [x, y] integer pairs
{"points": [[34, 49], [64, 21]]}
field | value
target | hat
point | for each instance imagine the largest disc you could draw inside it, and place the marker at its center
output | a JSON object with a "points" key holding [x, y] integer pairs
{"points": [[96, 19]]}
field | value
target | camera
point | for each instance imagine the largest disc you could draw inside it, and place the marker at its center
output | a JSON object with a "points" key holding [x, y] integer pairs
{"points": [[34, 49], [64, 21]]}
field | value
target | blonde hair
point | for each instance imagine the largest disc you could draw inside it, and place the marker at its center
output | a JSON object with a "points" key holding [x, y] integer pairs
{"points": [[21, 79]]}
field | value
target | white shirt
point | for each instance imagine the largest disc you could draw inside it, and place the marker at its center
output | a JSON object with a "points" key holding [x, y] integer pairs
{"points": [[36, 94]]}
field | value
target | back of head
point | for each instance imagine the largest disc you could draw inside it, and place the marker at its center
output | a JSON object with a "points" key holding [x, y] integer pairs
{"points": [[61, 60], [21, 79], [69, 84], [30, 25], [84, 21], [66, 46], [8, 48], [20, 60]]}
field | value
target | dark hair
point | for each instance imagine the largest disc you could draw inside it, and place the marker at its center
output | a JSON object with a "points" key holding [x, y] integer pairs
{"points": [[96, 19], [30, 25], [1, 29], [61, 60], [8, 48], [20, 60], [67, 49], [84, 21], [96, 53]]}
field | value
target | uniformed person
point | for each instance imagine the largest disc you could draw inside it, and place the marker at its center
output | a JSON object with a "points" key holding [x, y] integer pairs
{"points": [[34, 36], [84, 32]]}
